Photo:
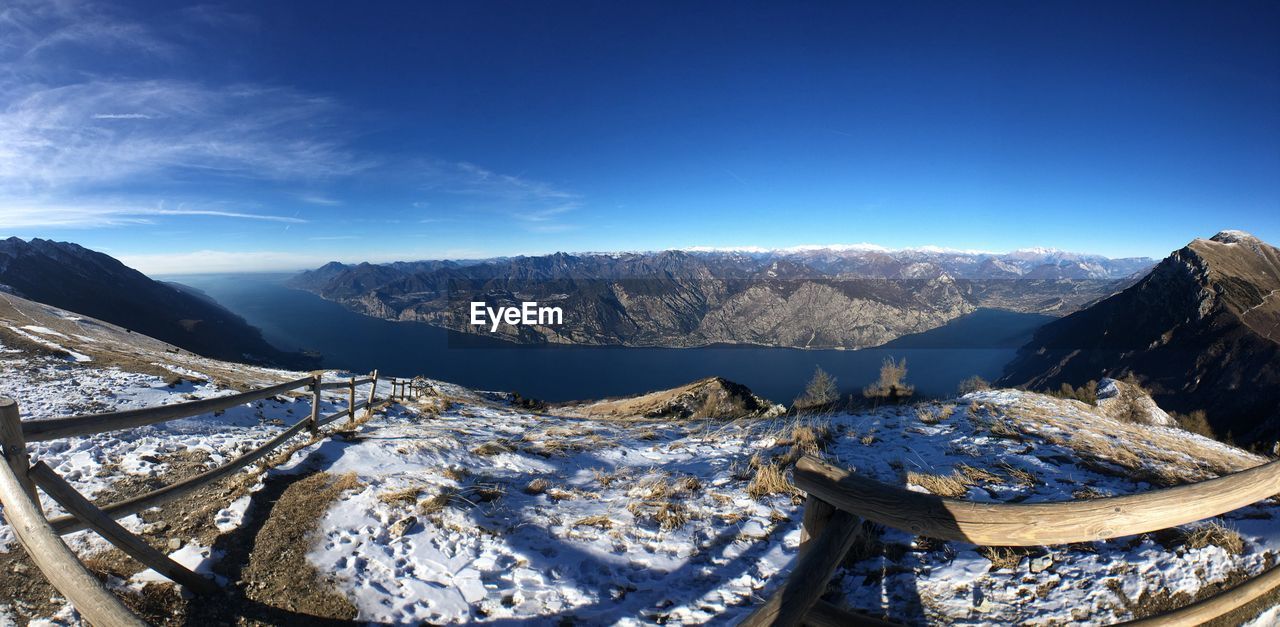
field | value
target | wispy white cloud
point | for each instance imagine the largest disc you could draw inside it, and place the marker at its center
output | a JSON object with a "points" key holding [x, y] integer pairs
{"points": [[272, 261], [22, 215], [320, 200], [121, 116], [66, 127], [537, 205], [331, 238]]}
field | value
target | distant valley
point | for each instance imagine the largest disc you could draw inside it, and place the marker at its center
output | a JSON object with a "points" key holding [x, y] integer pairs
{"points": [[836, 297]]}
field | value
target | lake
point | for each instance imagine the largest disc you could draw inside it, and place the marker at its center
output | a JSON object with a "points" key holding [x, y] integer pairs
{"points": [[980, 344]]}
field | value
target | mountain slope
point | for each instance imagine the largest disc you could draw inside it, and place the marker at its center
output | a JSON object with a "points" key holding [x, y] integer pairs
{"points": [[808, 297], [1200, 331], [75, 278]]}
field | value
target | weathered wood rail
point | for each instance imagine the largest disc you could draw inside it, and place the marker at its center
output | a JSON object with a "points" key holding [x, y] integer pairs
{"points": [[838, 501], [40, 536]]}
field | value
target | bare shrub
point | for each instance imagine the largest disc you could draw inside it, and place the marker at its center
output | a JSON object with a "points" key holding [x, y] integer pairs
{"points": [[972, 384], [1195, 422], [820, 393], [891, 386], [1087, 393]]}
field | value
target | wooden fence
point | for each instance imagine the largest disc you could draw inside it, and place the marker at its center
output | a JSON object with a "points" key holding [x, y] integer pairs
{"points": [[838, 500], [41, 536]]}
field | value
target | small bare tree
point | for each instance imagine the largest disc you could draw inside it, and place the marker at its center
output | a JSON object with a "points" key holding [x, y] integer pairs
{"points": [[821, 391], [972, 384], [891, 386]]}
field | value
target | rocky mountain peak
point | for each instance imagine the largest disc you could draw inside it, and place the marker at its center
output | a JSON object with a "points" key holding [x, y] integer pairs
{"points": [[1234, 237]]}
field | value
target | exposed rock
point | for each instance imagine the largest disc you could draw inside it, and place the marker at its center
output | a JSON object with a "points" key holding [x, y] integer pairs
{"points": [[1041, 563]]}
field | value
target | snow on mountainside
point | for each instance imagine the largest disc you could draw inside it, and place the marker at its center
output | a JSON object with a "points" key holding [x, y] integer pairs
{"points": [[465, 508]]}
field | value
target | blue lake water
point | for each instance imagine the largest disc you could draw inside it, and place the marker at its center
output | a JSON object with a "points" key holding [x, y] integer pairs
{"points": [[296, 320]]}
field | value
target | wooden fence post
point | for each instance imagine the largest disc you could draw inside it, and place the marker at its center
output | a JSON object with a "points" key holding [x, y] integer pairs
{"points": [[13, 445], [351, 401], [373, 389], [314, 425], [60, 566], [817, 513]]}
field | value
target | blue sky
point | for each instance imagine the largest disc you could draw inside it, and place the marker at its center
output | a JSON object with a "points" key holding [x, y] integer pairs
{"points": [[281, 135]]}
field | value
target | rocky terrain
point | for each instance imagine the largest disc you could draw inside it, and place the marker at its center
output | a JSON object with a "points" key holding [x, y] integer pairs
{"points": [[847, 297], [1201, 332], [93, 284]]}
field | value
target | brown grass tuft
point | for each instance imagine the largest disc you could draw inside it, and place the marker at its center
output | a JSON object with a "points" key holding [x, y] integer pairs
{"points": [[1214, 533], [537, 486], [954, 485], [600, 522], [770, 479], [1004, 557]]}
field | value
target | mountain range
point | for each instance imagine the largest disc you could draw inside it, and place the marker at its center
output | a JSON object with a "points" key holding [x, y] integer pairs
{"points": [[91, 283], [814, 297], [1201, 331]]}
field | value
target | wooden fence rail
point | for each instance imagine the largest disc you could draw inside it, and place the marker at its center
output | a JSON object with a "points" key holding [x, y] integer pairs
{"points": [[40, 536], [839, 499]]}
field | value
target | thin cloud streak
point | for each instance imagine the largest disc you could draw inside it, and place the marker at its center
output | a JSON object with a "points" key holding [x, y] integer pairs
{"points": [[20, 216]]}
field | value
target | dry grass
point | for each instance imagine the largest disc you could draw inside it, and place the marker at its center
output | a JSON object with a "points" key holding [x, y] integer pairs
{"points": [[599, 521], [1216, 534], [770, 479], [489, 449], [1004, 557], [868, 439], [604, 477], [1024, 477], [436, 503], [810, 439], [975, 476], [933, 414], [1086, 494], [456, 473], [537, 486], [401, 496], [954, 485], [688, 485], [671, 516]]}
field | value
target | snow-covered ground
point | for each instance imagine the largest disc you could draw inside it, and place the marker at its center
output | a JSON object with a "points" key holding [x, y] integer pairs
{"points": [[446, 531], [485, 513]]}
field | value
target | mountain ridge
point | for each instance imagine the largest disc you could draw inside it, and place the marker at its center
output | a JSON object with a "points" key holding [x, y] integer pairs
{"points": [[84, 281], [815, 298], [1199, 330]]}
